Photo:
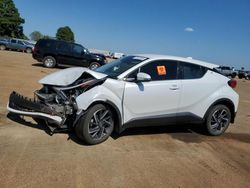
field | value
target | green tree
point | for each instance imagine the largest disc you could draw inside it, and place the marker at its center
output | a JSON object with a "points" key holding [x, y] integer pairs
{"points": [[36, 35], [10, 20], [65, 33]]}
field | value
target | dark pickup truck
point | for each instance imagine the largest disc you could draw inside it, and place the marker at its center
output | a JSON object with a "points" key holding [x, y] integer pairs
{"points": [[53, 52]]}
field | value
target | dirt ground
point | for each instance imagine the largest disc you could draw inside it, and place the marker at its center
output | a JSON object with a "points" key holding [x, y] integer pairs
{"points": [[172, 156]]}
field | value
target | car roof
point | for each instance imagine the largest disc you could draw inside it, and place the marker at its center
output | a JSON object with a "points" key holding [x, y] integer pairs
{"points": [[56, 40], [176, 58]]}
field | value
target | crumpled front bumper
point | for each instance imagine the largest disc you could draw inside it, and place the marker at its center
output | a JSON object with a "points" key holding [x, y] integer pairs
{"points": [[23, 106]]}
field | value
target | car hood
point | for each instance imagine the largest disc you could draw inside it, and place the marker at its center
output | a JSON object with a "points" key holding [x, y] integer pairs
{"points": [[68, 76], [96, 57]]}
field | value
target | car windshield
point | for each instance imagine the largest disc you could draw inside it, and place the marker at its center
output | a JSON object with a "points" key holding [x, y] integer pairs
{"points": [[119, 66]]}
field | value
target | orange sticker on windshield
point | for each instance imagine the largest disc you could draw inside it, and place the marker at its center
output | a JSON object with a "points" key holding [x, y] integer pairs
{"points": [[161, 70]]}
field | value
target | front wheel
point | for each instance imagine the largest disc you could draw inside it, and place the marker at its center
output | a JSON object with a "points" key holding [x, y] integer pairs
{"points": [[94, 66], [233, 75], [96, 125], [218, 120]]}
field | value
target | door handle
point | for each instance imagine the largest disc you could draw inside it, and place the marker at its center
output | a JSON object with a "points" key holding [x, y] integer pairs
{"points": [[174, 87]]}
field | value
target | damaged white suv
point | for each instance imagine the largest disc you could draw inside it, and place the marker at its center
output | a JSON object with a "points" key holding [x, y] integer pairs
{"points": [[139, 90]]}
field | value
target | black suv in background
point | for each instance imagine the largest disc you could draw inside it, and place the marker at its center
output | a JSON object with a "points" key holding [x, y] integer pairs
{"points": [[53, 52]]}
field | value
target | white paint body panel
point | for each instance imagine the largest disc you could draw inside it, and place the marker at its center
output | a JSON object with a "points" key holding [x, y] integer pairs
{"points": [[68, 76], [150, 99], [197, 95], [111, 90]]}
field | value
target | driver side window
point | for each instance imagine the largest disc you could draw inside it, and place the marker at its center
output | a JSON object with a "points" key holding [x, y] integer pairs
{"points": [[158, 70], [77, 49]]}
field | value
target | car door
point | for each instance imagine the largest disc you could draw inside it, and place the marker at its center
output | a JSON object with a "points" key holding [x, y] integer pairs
{"points": [[156, 101], [13, 44], [198, 83], [64, 54], [79, 55]]}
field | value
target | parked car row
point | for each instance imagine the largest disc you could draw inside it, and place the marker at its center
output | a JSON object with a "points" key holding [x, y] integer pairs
{"points": [[231, 72], [227, 71], [16, 44], [244, 74]]}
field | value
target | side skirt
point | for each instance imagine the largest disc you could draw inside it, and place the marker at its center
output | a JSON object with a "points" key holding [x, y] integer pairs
{"points": [[162, 120]]}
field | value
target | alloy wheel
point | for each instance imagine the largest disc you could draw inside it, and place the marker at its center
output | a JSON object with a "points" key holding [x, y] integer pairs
{"points": [[100, 124], [49, 62], [93, 66], [220, 120]]}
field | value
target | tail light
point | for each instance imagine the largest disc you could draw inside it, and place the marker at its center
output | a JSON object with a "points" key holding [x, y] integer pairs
{"points": [[232, 83]]}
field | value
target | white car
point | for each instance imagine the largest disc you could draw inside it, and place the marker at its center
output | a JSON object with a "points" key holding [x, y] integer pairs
{"points": [[137, 90]]}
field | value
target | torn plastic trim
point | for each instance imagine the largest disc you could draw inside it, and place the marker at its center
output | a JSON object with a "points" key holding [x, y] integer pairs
{"points": [[57, 119]]}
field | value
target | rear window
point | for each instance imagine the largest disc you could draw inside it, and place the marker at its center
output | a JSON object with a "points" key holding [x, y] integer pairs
{"points": [[191, 71], [63, 46], [45, 43]]}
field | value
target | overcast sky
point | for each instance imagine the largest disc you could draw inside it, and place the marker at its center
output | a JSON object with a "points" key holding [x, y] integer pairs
{"points": [[210, 30]]}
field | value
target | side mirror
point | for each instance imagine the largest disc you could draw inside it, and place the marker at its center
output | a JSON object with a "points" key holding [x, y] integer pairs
{"points": [[143, 77], [82, 52]]}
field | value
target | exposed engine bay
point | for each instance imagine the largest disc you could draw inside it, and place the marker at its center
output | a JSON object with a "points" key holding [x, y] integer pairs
{"points": [[56, 104]]}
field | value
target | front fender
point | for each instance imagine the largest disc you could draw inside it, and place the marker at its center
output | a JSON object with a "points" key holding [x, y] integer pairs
{"points": [[99, 93]]}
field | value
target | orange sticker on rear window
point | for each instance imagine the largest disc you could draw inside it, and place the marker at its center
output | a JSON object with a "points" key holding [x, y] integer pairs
{"points": [[161, 70]]}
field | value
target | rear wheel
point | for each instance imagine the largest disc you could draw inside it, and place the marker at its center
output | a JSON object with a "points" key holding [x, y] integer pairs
{"points": [[94, 66], [240, 76], [49, 61], [2, 47], [96, 125], [218, 120]]}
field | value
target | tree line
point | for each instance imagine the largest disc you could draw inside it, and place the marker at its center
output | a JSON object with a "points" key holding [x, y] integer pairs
{"points": [[11, 25]]}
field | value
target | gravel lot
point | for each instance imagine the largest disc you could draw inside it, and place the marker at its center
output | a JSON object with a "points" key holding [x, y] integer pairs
{"points": [[172, 156]]}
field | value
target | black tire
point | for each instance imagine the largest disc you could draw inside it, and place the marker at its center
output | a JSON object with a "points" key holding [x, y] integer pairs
{"points": [[39, 121], [233, 75], [49, 61], [28, 50], [240, 76], [94, 65], [93, 131], [2, 47], [218, 120]]}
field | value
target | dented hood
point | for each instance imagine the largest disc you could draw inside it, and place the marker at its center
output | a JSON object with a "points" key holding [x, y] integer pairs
{"points": [[68, 76]]}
